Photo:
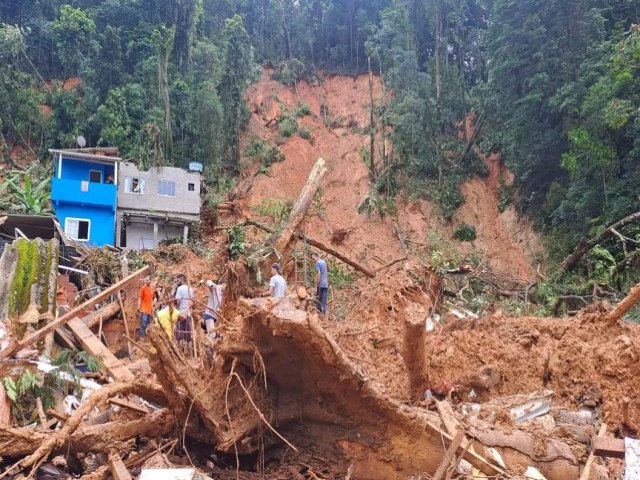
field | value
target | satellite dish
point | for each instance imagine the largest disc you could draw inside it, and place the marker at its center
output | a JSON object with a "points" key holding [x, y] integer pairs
{"points": [[81, 141]]}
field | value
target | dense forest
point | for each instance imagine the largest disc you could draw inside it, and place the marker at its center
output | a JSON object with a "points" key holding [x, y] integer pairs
{"points": [[555, 86]]}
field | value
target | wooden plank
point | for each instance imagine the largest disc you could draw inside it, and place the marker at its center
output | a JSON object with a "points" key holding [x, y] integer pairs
{"points": [[15, 347], [449, 457], [118, 469], [95, 347], [587, 466], [127, 404], [608, 447], [473, 458]]}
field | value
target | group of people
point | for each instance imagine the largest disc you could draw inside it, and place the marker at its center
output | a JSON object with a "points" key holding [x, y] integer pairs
{"points": [[175, 316], [278, 284]]}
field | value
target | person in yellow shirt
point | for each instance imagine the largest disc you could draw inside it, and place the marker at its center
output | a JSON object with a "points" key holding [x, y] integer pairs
{"points": [[167, 317]]}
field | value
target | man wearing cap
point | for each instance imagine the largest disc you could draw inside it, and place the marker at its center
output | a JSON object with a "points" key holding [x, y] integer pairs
{"points": [[212, 312], [277, 284]]}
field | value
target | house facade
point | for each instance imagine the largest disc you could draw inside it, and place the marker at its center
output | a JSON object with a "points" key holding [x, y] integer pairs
{"points": [[84, 193], [155, 205]]}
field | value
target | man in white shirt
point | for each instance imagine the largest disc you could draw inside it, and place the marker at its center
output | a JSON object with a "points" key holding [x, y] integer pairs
{"points": [[277, 284], [184, 296], [214, 305]]}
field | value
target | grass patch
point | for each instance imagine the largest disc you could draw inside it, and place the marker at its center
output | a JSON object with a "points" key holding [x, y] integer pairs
{"points": [[277, 209]]}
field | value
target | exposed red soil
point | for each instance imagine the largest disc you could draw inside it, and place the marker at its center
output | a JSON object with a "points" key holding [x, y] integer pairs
{"points": [[504, 239], [71, 83]]}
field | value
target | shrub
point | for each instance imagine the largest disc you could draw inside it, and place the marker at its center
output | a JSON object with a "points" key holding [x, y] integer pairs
{"points": [[302, 109], [287, 126], [305, 133], [465, 233], [267, 154]]}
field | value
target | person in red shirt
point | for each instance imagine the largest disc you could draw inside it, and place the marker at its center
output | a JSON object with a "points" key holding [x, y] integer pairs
{"points": [[145, 306]]}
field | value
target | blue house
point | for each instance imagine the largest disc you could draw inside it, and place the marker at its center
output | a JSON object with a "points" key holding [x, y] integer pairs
{"points": [[84, 192]]}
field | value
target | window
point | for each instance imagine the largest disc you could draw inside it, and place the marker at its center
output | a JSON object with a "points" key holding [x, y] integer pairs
{"points": [[95, 176], [77, 228], [192, 187], [167, 188], [134, 185]]}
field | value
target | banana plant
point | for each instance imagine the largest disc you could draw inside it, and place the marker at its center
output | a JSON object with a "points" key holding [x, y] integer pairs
{"points": [[27, 198]]}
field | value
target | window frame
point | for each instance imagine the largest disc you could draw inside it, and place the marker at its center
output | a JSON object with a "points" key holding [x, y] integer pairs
{"points": [[95, 171], [169, 182], [77, 219], [128, 181]]}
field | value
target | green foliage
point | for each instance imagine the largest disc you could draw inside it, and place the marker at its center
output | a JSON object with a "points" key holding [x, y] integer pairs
{"points": [[289, 71], [71, 32], [20, 196], [287, 125], [505, 195], [236, 245], [277, 209], [465, 233], [265, 152], [302, 109], [375, 203], [340, 276], [305, 133], [602, 263]]}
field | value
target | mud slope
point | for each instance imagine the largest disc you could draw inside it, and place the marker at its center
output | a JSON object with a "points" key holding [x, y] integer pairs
{"points": [[507, 242]]}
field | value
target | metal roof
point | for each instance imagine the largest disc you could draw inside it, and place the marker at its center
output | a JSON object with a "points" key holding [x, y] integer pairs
{"points": [[85, 153]]}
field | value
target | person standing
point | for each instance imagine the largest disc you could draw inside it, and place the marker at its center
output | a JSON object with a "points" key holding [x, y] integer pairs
{"points": [[322, 283], [184, 298], [214, 305], [145, 306], [277, 284]]}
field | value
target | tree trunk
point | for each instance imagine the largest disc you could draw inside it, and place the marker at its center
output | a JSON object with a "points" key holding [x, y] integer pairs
{"points": [[414, 354], [584, 246], [625, 305], [372, 129]]}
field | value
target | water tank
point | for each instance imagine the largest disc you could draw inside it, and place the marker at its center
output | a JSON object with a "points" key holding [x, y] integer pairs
{"points": [[195, 167]]}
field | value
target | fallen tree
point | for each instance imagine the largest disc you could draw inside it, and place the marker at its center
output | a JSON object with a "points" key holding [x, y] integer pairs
{"points": [[280, 379], [585, 246], [277, 248]]}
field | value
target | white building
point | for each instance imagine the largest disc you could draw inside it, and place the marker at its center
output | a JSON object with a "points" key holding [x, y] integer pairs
{"points": [[155, 205]]}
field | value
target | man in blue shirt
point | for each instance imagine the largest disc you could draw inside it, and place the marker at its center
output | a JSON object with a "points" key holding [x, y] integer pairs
{"points": [[322, 283]]}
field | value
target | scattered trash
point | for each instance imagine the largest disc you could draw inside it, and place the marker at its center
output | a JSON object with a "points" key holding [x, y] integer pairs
{"points": [[538, 404]]}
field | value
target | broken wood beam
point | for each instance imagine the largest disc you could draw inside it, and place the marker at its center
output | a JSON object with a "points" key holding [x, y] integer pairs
{"points": [[414, 354], [105, 313], [15, 347], [587, 466], [625, 305], [95, 347], [130, 405], [118, 470], [608, 447], [449, 456], [334, 253], [321, 246]]}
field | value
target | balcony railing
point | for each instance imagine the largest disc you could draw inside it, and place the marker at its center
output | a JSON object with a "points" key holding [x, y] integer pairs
{"points": [[83, 193]]}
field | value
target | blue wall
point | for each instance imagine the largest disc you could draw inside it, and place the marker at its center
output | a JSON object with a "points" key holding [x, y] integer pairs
{"points": [[79, 170], [97, 204], [102, 228]]}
